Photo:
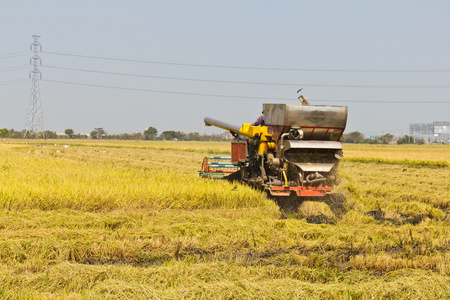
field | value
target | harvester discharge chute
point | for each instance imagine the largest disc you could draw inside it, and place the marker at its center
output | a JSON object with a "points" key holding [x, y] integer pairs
{"points": [[296, 152]]}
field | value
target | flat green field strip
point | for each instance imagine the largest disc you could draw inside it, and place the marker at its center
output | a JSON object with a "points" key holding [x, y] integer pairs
{"points": [[132, 220], [440, 153], [406, 162]]}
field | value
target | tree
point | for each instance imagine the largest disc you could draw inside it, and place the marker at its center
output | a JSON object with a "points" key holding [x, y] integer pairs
{"points": [[49, 134], [98, 133], [420, 142], [94, 134], [4, 132], [386, 139], [193, 136], [80, 136], [150, 133], [171, 135], [353, 137], [16, 134], [406, 140], [69, 132]]}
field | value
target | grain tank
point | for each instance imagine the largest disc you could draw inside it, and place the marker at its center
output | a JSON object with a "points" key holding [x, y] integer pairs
{"points": [[296, 152]]}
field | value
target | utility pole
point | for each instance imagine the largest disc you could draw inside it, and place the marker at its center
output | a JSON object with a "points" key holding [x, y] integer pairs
{"points": [[35, 122]]}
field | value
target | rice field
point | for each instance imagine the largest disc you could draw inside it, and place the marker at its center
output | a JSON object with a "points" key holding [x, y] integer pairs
{"points": [[86, 219]]}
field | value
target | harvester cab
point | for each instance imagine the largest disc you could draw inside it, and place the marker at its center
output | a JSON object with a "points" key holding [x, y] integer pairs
{"points": [[296, 152]]}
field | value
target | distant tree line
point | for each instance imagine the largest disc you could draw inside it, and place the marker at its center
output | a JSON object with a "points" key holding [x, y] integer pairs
{"points": [[11, 133], [151, 133], [357, 137]]}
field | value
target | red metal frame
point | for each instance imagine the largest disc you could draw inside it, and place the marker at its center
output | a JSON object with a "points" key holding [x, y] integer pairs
{"points": [[278, 135], [327, 128], [222, 171], [301, 191], [313, 128], [324, 137], [342, 132]]}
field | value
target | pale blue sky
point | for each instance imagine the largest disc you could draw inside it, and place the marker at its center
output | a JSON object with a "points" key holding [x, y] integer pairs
{"points": [[324, 37]]}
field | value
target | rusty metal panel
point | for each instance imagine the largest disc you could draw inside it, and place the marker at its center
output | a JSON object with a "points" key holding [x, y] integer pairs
{"points": [[238, 151]]}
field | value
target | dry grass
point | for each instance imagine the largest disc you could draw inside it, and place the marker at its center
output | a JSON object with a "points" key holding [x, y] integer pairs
{"points": [[127, 220], [399, 152], [96, 178], [194, 146]]}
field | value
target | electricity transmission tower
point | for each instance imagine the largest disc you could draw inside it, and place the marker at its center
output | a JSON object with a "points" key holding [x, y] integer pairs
{"points": [[35, 122]]}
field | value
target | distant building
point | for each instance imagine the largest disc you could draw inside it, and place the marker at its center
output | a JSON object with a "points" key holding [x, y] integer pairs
{"points": [[436, 132], [422, 131], [441, 132]]}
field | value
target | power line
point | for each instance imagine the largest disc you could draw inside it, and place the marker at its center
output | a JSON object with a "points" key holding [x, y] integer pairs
{"points": [[239, 97], [172, 78], [384, 101], [159, 91], [257, 68], [14, 68], [14, 55], [13, 82], [258, 83]]}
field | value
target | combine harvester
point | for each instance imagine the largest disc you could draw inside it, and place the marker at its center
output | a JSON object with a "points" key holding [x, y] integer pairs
{"points": [[296, 152]]}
